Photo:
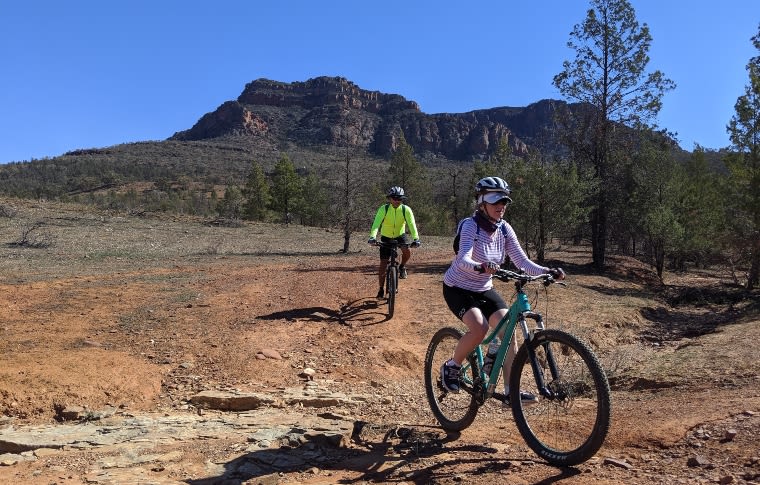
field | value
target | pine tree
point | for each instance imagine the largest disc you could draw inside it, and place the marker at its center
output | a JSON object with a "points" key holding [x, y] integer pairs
{"points": [[608, 74], [256, 193], [744, 165], [407, 172], [286, 187]]}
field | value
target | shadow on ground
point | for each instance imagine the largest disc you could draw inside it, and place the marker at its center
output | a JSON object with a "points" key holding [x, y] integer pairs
{"points": [[379, 454], [365, 311]]}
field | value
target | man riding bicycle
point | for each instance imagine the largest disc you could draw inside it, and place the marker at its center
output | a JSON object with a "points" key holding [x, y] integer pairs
{"points": [[392, 219]]}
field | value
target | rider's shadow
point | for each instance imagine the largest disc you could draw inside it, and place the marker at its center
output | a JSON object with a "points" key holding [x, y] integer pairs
{"points": [[365, 311]]}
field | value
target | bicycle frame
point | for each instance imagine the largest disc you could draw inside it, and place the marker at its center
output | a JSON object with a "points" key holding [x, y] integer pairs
{"points": [[394, 247], [519, 311], [393, 260]]}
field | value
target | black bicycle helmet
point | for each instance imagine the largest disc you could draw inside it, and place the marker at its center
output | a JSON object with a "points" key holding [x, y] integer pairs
{"points": [[492, 184], [396, 191]]}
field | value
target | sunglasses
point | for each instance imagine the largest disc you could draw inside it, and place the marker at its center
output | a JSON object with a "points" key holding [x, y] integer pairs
{"points": [[395, 198], [504, 201]]}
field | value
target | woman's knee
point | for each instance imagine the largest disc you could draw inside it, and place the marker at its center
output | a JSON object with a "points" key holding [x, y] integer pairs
{"points": [[475, 322]]}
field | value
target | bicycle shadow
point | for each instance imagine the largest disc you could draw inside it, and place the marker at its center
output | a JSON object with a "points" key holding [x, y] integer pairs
{"points": [[379, 454], [364, 311]]}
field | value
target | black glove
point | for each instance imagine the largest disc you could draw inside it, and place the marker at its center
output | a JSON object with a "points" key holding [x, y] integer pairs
{"points": [[372, 241], [557, 273], [416, 243]]}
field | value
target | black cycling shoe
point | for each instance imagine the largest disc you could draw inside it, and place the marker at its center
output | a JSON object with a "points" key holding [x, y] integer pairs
{"points": [[450, 377], [380, 293], [402, 272]]}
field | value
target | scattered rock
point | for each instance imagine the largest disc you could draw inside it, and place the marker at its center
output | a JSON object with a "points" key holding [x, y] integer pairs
{"points": [[697, 461], [225, 401], [269, 354], [72, 413], [618, 463]]}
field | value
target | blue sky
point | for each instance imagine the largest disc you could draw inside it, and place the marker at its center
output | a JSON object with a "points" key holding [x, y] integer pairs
{"points": [[95, 73]]}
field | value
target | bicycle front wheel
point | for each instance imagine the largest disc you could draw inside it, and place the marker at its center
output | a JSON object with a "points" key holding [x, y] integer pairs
{"points": [[569, 426], [392, 287], [455, 411]]}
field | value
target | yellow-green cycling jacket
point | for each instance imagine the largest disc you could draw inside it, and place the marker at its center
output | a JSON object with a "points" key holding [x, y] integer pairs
{"points": [[392, 222]]}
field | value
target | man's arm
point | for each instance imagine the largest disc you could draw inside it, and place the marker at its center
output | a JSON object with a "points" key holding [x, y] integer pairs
{"points": [[376, 223], [410, 222]]}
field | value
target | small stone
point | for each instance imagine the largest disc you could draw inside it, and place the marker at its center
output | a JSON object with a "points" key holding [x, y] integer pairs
{"points": [[72, 413], [270, 354], [697, 460], [730, 434], [618, 463]]}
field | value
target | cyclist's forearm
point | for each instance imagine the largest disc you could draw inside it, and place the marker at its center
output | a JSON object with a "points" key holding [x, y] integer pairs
{"points": [[466, 263]]}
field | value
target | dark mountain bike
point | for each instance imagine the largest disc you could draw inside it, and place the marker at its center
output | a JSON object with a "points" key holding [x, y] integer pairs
{"points": [[391, 273], [569, 423]]}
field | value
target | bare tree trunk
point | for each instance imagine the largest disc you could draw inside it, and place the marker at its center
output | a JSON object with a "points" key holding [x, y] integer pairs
{"points": [[541, 249], [754, 268]]}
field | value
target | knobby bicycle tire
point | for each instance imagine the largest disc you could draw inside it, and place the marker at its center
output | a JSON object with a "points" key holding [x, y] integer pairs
{"points": [[454, 411], [570, 428], [392, 286]]}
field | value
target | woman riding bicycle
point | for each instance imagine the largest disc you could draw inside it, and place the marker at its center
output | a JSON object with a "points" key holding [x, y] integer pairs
{"points": [[484, 242]]}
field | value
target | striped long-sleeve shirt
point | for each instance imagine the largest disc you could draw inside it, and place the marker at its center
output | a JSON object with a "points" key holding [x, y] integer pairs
{"points": [[476, 247]]}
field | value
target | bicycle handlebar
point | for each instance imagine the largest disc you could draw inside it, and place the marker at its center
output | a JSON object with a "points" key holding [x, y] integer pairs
{"points": [[523, 278], [393, 244]]}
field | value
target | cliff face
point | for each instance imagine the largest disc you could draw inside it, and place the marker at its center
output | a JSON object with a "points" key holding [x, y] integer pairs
{"points": [[334, 111]]}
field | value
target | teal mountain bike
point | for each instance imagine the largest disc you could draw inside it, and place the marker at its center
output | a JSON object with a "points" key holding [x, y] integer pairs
{"points": [[570, 421]]}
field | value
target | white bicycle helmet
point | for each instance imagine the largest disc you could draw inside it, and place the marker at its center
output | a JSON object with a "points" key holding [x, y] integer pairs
{"points": [[492, 190], [492, 184], [396, 191]]}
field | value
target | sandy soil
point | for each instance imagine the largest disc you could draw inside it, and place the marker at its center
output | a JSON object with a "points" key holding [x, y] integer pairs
{"points": [[141, 313]]}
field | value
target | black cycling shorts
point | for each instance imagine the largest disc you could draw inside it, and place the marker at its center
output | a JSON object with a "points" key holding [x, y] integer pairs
{"points": [[385, 253], [460, 301]]}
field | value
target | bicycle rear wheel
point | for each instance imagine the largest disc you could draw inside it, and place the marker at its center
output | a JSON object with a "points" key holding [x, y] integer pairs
{"points": [[455, 411], [570, 426], [392, 286]]}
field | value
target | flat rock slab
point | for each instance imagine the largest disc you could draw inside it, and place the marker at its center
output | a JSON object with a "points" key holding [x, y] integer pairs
{"points": [[262, 428]]}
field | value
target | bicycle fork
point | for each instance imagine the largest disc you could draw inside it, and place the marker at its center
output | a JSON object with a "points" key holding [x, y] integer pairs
{"points": [[529, 335]]}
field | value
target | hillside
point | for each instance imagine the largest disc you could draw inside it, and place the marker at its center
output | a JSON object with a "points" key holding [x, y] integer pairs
{"points": [[316, 123]]}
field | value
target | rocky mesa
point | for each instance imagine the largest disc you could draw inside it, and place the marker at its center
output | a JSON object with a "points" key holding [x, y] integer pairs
{"points": [[335, 111]]}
